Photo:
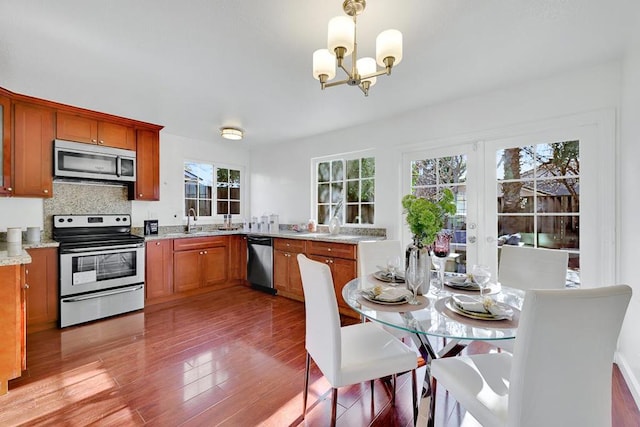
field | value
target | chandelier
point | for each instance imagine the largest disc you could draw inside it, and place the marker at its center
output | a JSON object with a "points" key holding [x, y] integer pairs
{"points": [[342, 43]]}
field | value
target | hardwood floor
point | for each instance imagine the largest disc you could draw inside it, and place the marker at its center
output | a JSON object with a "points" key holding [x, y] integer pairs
{"points": [[224, 358]]}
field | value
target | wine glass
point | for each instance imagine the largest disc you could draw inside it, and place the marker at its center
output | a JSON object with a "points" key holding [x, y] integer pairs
{"points": [[414, 277], [481, 275], [393, 266]]}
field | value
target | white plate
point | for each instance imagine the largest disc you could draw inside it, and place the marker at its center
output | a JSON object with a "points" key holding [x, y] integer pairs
{"points": [[384, 276], [368, 297], [473, 315], [461, 283]]}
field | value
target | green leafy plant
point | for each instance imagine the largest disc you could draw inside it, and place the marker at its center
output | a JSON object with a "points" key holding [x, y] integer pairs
{"points": [[427, 217]]}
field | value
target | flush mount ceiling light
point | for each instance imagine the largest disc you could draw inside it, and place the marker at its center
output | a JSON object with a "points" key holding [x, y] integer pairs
{"points": [[231, 133], [342, 43]]}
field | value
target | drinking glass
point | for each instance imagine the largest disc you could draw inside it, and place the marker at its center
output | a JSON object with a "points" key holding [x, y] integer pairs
{"points": [[393, 266], [439, 258], [414, 277], [481, 275]]}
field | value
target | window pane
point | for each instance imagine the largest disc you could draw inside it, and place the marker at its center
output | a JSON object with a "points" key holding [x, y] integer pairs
{"points": [[511, 162], [323, 214], [234, 176], [337, 170], [353, 169], [336, 192], [190, 189], [522, 225], [204, 208], [452, 169], [352, 216], [515, 197], [190, 203], [234, 193], [559, 232], [368, 167], [222, 207], [558, 195], [367, 193], [426, 192], [423, 172], [223, 175], [323, 193], [353, 191], [198, 185], [205, 191], [367, 214], [223, 192], [234, 208], [324, 174]]}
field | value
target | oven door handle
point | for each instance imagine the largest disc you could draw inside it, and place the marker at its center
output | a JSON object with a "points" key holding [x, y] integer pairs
{"points": [[103, 248], [102, 294]]}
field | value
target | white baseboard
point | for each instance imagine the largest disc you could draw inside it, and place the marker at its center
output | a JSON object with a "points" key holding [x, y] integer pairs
{"points": [[632, 382]]}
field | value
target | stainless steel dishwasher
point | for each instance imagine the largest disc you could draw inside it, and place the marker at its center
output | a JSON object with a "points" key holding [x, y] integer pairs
{"points": [[260, 263]]}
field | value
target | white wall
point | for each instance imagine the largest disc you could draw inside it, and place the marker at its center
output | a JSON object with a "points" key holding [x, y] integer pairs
{"points": [[491, 115], [174, 150], [629, 206], [20, 212]]}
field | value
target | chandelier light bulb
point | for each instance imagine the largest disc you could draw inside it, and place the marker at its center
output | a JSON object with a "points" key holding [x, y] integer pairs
{"points": [[367, 66], [389, 44], [341, 34], [324, 63]]}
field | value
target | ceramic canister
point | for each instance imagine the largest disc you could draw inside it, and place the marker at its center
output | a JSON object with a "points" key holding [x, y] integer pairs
{"points": [[14, 235], [33, 234]]}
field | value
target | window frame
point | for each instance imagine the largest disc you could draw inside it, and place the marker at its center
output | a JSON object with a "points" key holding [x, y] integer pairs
{"points": [[214, 193]]}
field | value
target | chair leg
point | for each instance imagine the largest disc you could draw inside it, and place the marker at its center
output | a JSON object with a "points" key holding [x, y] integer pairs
{"points": [[371, 385], [414, 391], [393, 396], [334, 404], [306, 386], [432, 403]]}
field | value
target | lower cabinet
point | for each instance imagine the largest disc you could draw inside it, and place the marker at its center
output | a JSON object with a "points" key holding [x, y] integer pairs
{"points": [[13, 356], [341, 258], [238, 259], [158, 269], [286, 273], [199, 262], [42, 294]]}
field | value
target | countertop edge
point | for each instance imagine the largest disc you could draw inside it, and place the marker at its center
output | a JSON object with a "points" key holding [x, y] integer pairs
{"points": [[320, 237]]}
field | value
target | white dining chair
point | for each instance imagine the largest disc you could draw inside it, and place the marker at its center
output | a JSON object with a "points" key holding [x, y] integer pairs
{"points": [[525, 268], [560, 371], [350, 354]]}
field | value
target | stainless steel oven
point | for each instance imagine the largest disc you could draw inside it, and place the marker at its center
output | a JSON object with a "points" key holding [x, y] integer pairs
{"points": [[101, 267]]}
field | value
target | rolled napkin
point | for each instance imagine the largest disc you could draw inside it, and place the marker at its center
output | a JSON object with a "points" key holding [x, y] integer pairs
{"points": [[464, 282], [486, 306], [390, 294]]}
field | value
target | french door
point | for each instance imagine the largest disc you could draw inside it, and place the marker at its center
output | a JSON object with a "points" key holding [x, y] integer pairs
{"points": [[550, 189]]}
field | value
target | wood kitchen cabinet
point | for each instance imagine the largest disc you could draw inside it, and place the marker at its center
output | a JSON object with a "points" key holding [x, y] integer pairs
{"points": [[286, 272], [5, 145], [147, 185], [42, 294], [238, 259], [33, 150], [13, 356], [74, 127], [341, 258], [159, 269], [200, 262]]}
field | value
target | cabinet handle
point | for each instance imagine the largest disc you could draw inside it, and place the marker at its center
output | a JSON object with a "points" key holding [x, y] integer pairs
{"points": [[101, 142], [45, 191], [157, 243], [140, 195], [26, 286], [205, 252], [94, 140], [9, 189], [200, 252], [329, 249]]}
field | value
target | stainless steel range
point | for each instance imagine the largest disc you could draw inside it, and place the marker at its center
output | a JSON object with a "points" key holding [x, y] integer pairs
{"points": [[101, 267]]}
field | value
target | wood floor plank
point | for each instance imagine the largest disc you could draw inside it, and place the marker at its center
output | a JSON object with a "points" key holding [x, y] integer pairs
{"points": [[224, 358]]}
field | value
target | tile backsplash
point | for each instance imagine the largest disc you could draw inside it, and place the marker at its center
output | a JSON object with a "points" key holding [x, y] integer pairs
{"points": [[84, 198]]}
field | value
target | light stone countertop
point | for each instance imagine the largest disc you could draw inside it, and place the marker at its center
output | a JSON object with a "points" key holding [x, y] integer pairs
{"points": [[322, 237], [16, 253]]}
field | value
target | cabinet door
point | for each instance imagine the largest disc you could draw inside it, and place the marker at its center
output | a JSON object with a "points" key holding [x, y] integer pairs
{"points": [[343, 270], [147, 185], [214, 266], [42, 294], [295, 279], [159, 269], [281, 270], [33, 151], [238, 258], [12, 320], [76, 128], [5, 145], [186, 270], [116, 135]]}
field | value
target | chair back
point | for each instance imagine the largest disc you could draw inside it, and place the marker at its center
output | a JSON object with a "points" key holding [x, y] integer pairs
{"points": [[562, 361], [374, 253], [526, 268], [322, 319]]}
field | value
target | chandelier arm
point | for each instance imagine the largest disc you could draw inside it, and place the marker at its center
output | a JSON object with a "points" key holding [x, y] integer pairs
{"points": [[338, 83], [376, 74], [345, 70]]}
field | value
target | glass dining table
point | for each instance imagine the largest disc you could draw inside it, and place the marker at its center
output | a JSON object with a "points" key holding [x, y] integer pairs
{"points": [[435, 317]]}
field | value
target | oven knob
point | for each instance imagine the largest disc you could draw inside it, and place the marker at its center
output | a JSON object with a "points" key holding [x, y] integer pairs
{"points": [[60, 219], [117, 219], [69, 219]]}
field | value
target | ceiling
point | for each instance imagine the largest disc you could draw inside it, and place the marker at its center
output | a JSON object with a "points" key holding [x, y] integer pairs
{"points": [[194, 66]]}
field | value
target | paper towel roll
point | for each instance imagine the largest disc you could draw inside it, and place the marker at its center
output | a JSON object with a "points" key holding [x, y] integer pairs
{"points": [[14, 235], [33, 234]]}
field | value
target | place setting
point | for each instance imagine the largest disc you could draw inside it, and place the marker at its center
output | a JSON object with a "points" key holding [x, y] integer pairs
{"points": [[392, 273]]}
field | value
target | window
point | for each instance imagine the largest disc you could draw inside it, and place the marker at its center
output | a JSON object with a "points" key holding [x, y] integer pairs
{"points": [[430, 176], [198, 189], [346, 189]]}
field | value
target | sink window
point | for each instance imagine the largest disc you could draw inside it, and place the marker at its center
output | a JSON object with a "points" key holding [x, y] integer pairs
{"points": [[345, 187], [200, 179]]}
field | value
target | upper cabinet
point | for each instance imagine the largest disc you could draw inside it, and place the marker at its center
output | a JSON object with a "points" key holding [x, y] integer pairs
{"points": [[5, 145], [33, 150], [147, 185], [73, 127]]}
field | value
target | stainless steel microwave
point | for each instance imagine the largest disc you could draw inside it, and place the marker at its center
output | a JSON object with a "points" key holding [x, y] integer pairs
{"points": [[78, 160]]}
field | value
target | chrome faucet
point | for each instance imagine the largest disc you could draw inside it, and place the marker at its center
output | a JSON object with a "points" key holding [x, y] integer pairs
{"points": [[190, 226]]}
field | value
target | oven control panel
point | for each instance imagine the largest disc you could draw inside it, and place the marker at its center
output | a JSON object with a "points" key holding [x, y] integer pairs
{"points": [[74, 221]]}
